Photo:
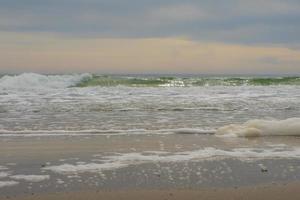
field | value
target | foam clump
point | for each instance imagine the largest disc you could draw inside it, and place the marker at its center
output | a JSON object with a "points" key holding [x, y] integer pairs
{"points": [[256, 128]]}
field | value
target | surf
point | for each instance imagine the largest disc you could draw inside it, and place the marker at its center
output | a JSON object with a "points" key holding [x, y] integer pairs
{"points": [[105, 81], [34, 80], [39, 81]]}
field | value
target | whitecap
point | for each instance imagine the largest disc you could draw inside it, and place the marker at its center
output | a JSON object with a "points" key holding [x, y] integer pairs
{"points": [[38, 81]]}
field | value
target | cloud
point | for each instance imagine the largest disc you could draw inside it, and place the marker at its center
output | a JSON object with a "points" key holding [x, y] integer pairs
{"points": [[231, 21], [178, 13], [47, 53], [266, 8], [201, 36]]}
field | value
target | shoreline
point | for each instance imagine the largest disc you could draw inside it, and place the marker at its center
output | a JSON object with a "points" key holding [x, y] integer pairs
{"points": [[136, 166]]}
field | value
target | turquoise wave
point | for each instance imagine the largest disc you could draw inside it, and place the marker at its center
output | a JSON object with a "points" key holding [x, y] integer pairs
{"points": [[106, 81]]}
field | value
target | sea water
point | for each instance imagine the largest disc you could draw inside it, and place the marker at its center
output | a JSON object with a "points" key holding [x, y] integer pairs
{"points": [[111, 123], [97, 104]]}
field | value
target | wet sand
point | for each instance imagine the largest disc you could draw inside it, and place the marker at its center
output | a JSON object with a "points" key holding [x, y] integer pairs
{"points": [[274, 192], [149, 167]]}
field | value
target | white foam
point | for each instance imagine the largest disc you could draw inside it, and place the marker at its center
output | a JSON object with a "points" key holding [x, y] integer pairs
{"points": [[3, 168], [90, 167], [30, 178], [59, 181], [124, 160], [11, 164], [33, 133], [254, 128], [194, 131], [8, 183], [109, 132], [38, 81], [4, 174]]}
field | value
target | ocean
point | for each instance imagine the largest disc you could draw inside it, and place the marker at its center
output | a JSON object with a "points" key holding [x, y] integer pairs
{"points": [[36, 104], [85, 132]]}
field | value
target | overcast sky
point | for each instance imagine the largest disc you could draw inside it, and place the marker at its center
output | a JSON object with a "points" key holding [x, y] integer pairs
{"points": [[150, 36]]}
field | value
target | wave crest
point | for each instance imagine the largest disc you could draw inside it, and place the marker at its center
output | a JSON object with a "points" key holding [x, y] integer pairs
{"points": [[33, 80], [184, 82]]}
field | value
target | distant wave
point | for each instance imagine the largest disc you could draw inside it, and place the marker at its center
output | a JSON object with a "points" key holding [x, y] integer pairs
{"points": [[255, 128], [33, 80], [185, 82]]}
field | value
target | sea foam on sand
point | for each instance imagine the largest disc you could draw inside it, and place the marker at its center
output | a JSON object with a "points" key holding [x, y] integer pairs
{"points": [[124, 160], [254, 128], [3, 168], [4, 174], [8, 183], [30, 178]]}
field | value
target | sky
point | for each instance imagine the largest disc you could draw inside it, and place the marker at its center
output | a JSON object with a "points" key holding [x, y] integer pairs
{"points": [[150, 36]]}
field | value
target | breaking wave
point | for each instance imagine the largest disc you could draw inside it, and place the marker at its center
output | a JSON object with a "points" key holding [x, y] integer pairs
{"points": [[33, 80], [256, 128], [38, 81]]}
